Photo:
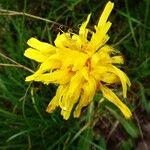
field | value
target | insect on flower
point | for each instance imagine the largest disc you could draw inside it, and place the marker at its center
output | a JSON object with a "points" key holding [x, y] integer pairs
{"points": [[80, 67]]}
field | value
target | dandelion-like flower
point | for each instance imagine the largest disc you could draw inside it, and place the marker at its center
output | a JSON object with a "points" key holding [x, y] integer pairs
{"points": [[80, 64]]}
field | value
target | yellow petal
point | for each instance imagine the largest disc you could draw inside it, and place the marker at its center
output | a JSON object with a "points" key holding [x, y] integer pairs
{"points": [[50, 64], [57, 77], [83, 30], [102, 56], [35, 55], [95, 59], [89, 89], [65, 40], [106, 12], [62, 40], [117, 60], [52, 105], [106, 49], [47, 66], [75, 83], [109, 78], [41, 46], [33, 76], [68, 101], [72, 58], [107, 93], [97, 71], [78, 42], [99, 38], [123, 78], [55, 101]]}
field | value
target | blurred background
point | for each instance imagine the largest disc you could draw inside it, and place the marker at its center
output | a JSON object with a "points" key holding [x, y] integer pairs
{"points": [[24, 124]]}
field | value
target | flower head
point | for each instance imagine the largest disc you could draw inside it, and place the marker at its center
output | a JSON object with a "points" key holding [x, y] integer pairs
{"points": [[80, 64]]}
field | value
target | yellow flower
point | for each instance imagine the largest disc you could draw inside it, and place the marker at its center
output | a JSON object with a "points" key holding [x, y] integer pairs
{"points": [[80, 64]]}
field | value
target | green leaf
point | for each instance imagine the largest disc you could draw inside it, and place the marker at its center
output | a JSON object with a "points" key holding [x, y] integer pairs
{"points": [[126, 145], [144, 100], [128, 125], [102, 143]]}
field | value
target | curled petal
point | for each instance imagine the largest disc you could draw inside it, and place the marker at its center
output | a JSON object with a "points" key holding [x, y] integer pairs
{"points": [[68, 101], [89, 89], [107, 93], [123, 78], [55, 101]]}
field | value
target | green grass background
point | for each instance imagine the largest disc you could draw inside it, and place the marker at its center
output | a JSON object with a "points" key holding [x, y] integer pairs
{"points": [[24, 124]]}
